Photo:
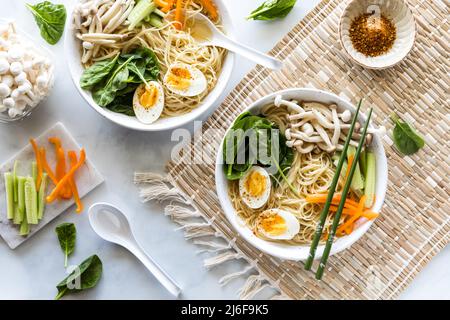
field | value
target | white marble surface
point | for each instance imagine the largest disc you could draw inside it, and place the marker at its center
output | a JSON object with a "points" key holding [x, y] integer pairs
{"points": [[32, 270]]}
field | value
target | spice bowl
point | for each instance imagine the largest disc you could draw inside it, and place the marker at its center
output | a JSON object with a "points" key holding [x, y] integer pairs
{"points": [[395, 11]]}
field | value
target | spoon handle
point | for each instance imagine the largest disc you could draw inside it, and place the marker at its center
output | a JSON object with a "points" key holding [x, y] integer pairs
{"points": [[156, 270], [250, 53]]}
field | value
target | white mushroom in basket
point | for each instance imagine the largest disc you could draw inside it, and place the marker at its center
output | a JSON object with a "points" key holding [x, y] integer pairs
{"points": [[314, 127]]}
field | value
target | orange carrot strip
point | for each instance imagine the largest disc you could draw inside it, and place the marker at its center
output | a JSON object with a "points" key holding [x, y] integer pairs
{"points": [[349, 165], [54, 194], [46, 167], [55, 141], [38, 163], [169, 6], [73, 186], [210, 8], [179, 15], [66, 192], [160, 3]]}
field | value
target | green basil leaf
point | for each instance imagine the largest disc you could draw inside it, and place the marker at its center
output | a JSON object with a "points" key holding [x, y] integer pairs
{"points": [[272, 9], [50, 19], [67, 235], [85, 276], [97, 72], [406, 139]]}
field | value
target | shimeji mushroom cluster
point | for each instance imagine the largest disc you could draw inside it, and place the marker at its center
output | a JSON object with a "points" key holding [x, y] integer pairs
{"points": [[25, 74], [314, 127], [96, 20]]}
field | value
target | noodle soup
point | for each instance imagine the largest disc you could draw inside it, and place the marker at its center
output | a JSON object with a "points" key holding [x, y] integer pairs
{"points": [[143, 61], [275, 201]]}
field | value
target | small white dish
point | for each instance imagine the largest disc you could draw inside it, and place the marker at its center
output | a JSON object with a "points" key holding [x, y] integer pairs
{"points": [[395, 10], [73, 54], [300, 252]]}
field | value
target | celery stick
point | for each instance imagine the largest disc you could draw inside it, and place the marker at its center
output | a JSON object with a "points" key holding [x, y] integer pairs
{"points": [[369, 189], [16, 165], [21, 195], [31, 201], [24, 228], [363, 162], [159, 13], [41, 196], [17, 216], [357, 181], [154, 20], [140, 11], [9, 187]]}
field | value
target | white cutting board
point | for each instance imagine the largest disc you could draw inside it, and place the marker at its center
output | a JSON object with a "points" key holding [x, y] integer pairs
{"points": [[87, 178]]}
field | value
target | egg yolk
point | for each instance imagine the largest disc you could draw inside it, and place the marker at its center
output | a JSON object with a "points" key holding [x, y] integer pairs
{"points": [[274, 225], [179, 78], [149, 97], [255, 184]]}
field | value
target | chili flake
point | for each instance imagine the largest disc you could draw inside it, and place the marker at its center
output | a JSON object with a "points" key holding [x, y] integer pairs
{"points": [[372, 35]]}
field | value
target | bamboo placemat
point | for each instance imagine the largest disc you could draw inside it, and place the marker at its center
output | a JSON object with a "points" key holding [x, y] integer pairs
{"points": [[414, 223]]}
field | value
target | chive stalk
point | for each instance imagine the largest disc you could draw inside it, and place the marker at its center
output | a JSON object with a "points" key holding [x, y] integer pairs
{"points": [[337, 216], [324, 213]]}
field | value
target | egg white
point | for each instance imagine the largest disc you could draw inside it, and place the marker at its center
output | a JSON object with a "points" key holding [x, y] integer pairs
{"points": [[252, 201], [292, 224], [148, 115], [197, 84]]}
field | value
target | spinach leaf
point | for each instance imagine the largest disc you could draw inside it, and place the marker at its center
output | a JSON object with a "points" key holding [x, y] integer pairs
{"points": [[406, 139], [50, 19], [67, 235], [144, 65], [237, 143], [97, 72], [123, 104], [105, 94], [85, 276], [272, 9]]}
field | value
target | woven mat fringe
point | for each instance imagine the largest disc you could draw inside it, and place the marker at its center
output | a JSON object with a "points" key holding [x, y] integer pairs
{"points": [[159, 188]]}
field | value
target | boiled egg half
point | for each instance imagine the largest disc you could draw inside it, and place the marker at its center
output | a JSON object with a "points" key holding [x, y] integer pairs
{"points": [[148, 102], [254, 187], [278, 224], [185, 80]]}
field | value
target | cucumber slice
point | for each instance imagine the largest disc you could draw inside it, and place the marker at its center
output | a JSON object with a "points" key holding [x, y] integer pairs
{"points": [[34, 171], [21, 198], [140, 11], [9, 187], [41, 196], [24, 228], [370, 184], [154, 20], [16, 165], [31, 201]]}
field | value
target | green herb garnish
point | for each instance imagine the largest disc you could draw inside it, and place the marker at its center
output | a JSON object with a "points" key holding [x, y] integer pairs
{"points": [[406, 139], [67, 235], [50, 19], [272, 9]]}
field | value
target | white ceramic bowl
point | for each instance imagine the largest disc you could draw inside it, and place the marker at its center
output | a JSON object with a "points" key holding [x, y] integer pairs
{"points": [[395, 10], [300, 252], [73, 54]]}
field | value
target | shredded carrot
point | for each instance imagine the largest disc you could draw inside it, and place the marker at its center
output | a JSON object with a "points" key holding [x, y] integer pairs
{"points": [[322, 198], [54, 194], [46, 167], [38, 163], [160, 3], [347, 227], [55, 141], [66, 192], [179, 15], [73, 186], [210, 8], [169, 6]]}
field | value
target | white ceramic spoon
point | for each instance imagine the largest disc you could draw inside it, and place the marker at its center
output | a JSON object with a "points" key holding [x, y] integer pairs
{"points": [[113, 226], [204, 31]]}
